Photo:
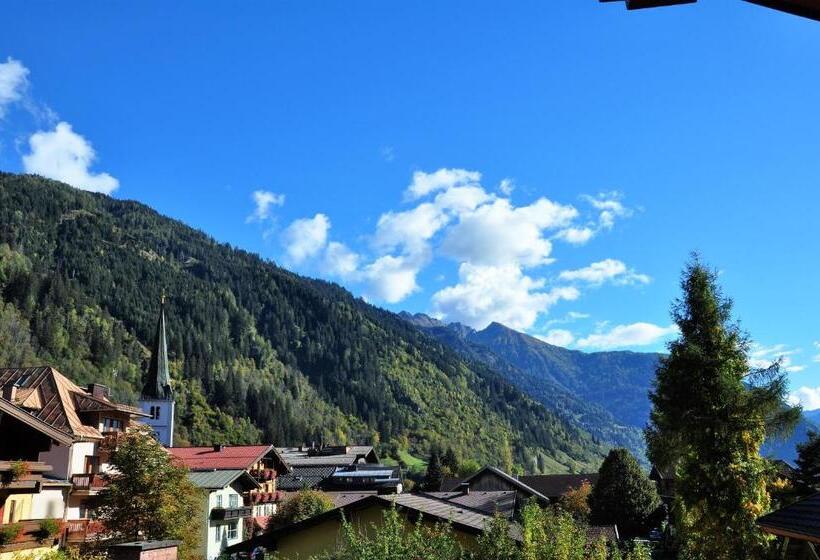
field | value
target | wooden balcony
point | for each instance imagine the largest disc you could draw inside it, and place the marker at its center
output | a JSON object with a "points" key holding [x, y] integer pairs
{"points": [[88, 482], [31, 535], [230, 514]]}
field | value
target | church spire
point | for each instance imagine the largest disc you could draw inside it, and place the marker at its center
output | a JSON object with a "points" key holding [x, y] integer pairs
{"points": [[158, 382]]}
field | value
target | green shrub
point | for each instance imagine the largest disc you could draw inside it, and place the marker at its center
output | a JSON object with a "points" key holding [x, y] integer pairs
{"points": [[49, 528], [9, 533], [18, 470]]}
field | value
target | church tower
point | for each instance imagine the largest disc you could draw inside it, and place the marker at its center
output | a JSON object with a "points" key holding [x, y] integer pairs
{"points": [[157, 398]]}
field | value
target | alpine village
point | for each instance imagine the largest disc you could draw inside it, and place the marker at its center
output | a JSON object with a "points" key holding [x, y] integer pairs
{"points": [[168, 396]]}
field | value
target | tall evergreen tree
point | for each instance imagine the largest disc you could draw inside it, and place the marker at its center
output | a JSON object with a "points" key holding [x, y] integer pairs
{"points": [[433, 477], [450, 462], [624, 495], [808, 463], [711, 412]]}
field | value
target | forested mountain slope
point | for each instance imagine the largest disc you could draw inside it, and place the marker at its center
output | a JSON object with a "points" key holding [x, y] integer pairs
{"points": [[604, 393], [258, 353]]}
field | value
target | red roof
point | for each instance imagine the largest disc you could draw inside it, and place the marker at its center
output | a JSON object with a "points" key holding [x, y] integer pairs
{"points": [[226, 457]]}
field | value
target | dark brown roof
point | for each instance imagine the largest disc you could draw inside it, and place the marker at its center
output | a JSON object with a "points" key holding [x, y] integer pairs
{"points": [[800, 520], [46, 394], [556, 485], [18, 413], [521, 486]]}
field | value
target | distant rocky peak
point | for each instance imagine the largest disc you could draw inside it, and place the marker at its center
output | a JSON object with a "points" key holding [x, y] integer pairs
{"points": [[421, 320]]}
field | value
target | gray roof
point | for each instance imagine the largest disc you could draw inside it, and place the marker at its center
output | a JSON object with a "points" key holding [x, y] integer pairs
{"points": [[489, 503], [304, 477], [800, 520], [339, 456], [214, 480], [460, 517]]}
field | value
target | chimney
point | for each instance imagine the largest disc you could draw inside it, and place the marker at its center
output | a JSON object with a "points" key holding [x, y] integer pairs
{"points": [[98, 391], [218, 447], [463, 488]]}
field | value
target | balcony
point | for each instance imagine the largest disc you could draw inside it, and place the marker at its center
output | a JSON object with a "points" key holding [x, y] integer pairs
{"points": [[22, 475], [30, 534], [88, 482], [230, 514], [263, 475]]}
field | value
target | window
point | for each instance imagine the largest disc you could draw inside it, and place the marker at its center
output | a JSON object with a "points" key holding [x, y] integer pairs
{"points": [[112, 425], [217, 536], [233, 530], [92, 464], [156, 416], [233, 501], [219, 500], [154, 412]]}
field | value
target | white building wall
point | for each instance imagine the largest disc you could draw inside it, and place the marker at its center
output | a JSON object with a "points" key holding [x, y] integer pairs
{"points": [[217, 533], [79, 451], [164, 425], [50, 503]]}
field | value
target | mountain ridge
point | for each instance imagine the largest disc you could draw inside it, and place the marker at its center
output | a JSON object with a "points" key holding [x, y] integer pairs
{"points": [[257, 351]]}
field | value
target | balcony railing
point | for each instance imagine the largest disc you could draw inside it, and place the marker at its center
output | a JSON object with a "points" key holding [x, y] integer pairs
{"points": [[88, 482], [229, 514]]}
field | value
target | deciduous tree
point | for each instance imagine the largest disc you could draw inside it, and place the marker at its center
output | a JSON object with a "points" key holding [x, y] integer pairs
{"points": [[147, 496]]}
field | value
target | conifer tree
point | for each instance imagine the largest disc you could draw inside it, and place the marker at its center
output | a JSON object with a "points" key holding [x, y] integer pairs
{"points": [[711, 412], [624, 495], [433, 478], [808, 463]]}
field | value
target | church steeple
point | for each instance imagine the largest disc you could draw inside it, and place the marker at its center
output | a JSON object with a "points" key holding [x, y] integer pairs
{"points": [[157, 398], [158, 381]]}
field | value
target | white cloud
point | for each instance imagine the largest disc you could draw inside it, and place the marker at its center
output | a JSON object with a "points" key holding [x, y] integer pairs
{"points": [[764, 356], [305, 238], [391, 279], [13, 83], [557, 337], [340, 261], [264, 200], [410, 229], [506, 186], [620, 336], [607, 270], [497, 293], [609, 206], [442, 179], [808, 397], [498, 234], [64, 155], [576, 235]]}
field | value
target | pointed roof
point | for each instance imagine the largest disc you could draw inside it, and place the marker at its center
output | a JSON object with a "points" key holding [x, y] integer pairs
{"points": [[158, 382], [47, 395]]}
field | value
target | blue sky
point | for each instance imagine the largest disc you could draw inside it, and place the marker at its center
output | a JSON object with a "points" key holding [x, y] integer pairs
{"points": [[547, 165]]}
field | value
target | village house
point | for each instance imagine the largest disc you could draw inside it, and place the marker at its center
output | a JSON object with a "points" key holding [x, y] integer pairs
{"points": [[261, 462], [321, 534], [223, 503], [61, 433], [348, 468]]}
